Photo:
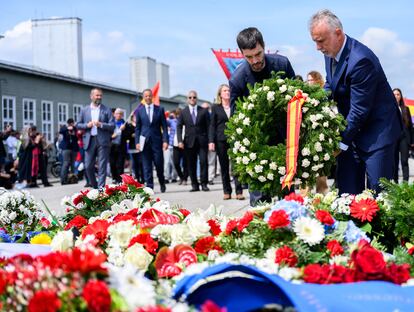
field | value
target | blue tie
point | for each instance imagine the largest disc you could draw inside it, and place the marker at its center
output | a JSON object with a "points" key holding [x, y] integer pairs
{"points": [[193, 116]]}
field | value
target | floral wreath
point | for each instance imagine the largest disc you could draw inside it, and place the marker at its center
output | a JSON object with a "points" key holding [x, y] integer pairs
{"points": [[265, 167]]}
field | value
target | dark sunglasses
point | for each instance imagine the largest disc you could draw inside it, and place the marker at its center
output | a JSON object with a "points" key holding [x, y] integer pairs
{"points": [[192, 97]]}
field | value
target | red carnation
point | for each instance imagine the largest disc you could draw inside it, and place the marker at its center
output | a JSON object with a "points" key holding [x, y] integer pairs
{"points": [[334, 248], [79, 199], [324, 217], [315, 273], [44, 301], [278, 218], [398, 274], [245, 221], [77, 222], [97, 296], [286, 256], [83, 261], [231, 225], [146, 240], [129, 180], [205, 244], [411, 251], [295, 197], [368, 262], [110, 190], [99, 229], [210, 306], [214, 227], [185, 212], [364, 210]]}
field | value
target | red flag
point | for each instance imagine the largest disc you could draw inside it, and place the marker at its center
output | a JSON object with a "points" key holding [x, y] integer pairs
{"points": [[155, 94], [228, 60]]}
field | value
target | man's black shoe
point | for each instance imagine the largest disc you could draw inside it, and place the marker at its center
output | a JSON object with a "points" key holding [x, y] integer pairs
{"points": [[195, 189], [163, 188], [205, 188]]}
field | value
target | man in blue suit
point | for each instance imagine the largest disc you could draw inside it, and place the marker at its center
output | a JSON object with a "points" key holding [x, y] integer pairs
{"points": [[151, 130], [358, 84], [97, 122], [257, 67]]}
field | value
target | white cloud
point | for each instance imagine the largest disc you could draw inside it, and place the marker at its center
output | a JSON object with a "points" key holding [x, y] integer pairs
{"points": [[16, 46], [395, 55]]}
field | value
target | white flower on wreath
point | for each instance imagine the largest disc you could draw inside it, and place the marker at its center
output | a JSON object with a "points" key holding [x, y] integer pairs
{"points": [[122, 232], [283, 88], [288, 97], [238, 160], [250, 106], [254, 97], [305, 151], [315, 168], [304, 109], [280, 81], [62, 241], [259, 89], [309, 230], [261, 178], [197, 224], [282, 170], [246, 121], [305, 163], [315, 125], [321, 137], [326, 124], [250, 172], [292, 88], [242, 116], [245, 160], [253, 156], [237, 145], [326, 157], [258, 168], [239, 130], [270, 176], [138, 257], [318, 147], [315, 102], [273, 166], [305, 175], [266, 88], [246, 141], [93, 194], [313, 118], [330, 141], [315, 158], [243, 149], [271, 96], [264, 161]]}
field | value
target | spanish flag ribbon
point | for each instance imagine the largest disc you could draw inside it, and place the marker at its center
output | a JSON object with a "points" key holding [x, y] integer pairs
{"points": [[294, 120]]}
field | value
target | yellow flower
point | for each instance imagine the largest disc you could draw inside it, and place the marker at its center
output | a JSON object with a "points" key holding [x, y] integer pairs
{"points": [[41, 239]]}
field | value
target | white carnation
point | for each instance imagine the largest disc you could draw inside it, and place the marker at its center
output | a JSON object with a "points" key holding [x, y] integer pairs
{"points": [[280, 81], [321, 137], [93, 194], [282, 170], [245, 160], [305, 175], [253, 156], [261, 179], [283, 88], [239, 130], [264, 161], [266, 88], [246, 121], [243, 149], [273, 166], [305, 151], [318, 147], [287, 97], [62, 241], [246, 141], [305, 163], [238, 160], [250, 106], [271, 96], [326, 124], [326, 157], [258, 168], [315, 158], [270, 176]]}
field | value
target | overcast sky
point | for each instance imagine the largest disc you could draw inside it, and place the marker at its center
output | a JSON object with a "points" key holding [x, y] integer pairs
{"points": [[182, 33]]}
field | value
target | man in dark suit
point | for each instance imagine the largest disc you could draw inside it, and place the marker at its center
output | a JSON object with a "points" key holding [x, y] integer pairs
{"points": [[257, 67], [196, 121], [97, 121], [358, 84], [151, 130]]}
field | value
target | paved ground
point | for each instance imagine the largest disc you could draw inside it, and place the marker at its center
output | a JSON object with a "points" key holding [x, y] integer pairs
{"points": [[175, 194]]}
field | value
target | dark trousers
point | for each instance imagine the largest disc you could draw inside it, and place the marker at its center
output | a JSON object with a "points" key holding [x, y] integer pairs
{"points": [[101, 152], [137, 166], [69, 157], [402, 152], [191, 154], [43, 163], [222, 148], [180, 163], [117, 162], [354, 166], [153, 153]]}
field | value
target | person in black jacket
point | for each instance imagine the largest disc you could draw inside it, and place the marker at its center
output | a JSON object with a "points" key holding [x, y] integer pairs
{"points": [[258, 67], [70, 148], [220, 114], [118, 147], [406, 141], [196, 121]]}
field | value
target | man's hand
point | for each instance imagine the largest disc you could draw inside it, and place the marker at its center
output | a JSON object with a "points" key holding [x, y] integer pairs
{"points": [[138, 147], [90, 124], [181, 145], [165, 146], [211, 147], [98, 124], [337, 152]]}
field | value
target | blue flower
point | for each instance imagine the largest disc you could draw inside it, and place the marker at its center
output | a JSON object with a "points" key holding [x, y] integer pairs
{"points": [[292, 208], [354, 234], [4, 237]]}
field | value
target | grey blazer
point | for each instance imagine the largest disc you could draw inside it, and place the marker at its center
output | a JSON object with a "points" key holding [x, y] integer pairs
{"points": [[104, 132]]}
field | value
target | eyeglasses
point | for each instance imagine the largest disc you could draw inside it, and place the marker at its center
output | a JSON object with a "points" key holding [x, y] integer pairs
{"points": [[192, 97]]}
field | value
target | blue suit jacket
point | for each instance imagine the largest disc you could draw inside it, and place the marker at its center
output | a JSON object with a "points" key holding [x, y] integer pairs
{"points": [[156, 131], [104, 133], [364, 97]]}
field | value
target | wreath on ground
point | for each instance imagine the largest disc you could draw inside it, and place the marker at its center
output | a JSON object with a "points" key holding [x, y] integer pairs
{"points": [[262, 116]]}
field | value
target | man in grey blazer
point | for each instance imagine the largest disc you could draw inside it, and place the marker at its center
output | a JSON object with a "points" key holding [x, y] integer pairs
{"points": [[97, 122]]}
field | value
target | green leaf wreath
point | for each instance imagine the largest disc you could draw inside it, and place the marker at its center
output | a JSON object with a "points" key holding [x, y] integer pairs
{"points": [[253, 127]]}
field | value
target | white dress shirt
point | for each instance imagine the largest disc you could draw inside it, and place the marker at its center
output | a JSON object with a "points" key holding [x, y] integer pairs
{"points": [[94, 117]]}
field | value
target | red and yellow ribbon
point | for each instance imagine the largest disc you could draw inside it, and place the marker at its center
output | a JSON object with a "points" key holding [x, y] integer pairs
{"points": [[294, 120]]}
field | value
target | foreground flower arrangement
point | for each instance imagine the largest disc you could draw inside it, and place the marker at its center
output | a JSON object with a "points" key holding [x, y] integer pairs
{"points": [[122, 229]]}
